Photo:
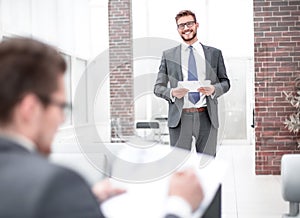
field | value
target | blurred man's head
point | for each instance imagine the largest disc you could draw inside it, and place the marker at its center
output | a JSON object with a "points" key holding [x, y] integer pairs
{"points": [[32, 93]]}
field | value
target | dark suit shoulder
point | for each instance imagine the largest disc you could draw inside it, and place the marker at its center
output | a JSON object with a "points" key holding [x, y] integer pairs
{"points": [[212, 49], [172, 51], [32, 165], [66, 194], [16, 161], [42, 189]]}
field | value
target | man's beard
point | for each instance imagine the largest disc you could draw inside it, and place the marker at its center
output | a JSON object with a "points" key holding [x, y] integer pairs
{"points": [[190, 39]]}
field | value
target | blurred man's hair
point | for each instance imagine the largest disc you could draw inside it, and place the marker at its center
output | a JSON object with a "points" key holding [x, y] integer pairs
{"points": [[27, 66]]}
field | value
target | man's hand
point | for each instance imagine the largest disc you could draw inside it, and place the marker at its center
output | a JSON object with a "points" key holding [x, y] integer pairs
{"points": [[186, 185], [179, 92], [104, 190], [209, 90]]}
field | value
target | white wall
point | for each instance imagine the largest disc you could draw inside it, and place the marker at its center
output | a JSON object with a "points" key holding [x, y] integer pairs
{"points": [[77, 27], [1, 23], [227, 25]]}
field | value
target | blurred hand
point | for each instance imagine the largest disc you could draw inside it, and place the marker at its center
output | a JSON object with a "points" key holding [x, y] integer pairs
{"points": [[179, 92], [186, 185], [104, 190], [209, 90]]}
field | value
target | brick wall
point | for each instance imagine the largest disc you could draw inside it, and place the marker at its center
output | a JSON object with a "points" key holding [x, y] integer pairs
{"points": [[121, 67], [277, 64]]}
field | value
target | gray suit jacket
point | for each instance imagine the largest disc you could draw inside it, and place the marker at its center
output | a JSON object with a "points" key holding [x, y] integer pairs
{"points": [[170, 73], [31, 187]]}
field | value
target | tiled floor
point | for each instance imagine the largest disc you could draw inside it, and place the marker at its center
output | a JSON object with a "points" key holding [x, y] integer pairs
{"points": [[246, 195]]}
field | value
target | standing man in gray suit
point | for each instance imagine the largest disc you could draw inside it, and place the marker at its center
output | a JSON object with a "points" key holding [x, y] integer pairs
{"points": [[32, 101], [192, 113]]}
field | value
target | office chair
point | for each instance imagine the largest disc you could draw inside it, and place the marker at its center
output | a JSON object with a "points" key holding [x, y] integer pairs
{"points": [[290, 165]]}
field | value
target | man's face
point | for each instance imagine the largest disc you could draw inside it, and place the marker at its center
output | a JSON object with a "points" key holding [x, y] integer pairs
{"points": [[50, 118], [187, 29]]}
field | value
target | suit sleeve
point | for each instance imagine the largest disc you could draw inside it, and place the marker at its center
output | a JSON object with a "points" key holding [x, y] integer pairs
{"points": [[223, 84], [67, 195], [161, 88]]}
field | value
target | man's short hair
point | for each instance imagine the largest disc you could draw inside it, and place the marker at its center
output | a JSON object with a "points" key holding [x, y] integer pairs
{"points": [[26, 66], [184, 13]]}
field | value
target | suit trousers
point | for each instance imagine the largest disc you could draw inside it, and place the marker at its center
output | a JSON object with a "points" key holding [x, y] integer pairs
{"points": [[195, 124]]}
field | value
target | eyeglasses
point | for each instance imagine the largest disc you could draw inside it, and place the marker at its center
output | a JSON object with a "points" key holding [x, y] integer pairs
{"points": [[189, 24], [64, 106]]}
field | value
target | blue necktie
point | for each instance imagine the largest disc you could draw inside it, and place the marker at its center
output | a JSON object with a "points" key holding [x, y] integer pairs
{"points": [[194, 97]]}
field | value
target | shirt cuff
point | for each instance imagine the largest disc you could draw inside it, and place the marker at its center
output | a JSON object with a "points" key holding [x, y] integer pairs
{"points": [[171, 96], [179, 207]]}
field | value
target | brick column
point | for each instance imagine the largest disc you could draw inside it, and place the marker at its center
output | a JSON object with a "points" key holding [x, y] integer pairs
{"points": [[121, 67], [277, 64]]}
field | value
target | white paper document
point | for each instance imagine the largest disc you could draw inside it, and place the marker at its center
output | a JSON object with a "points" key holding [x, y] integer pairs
{"points": [[148, 200], [192, 86]]}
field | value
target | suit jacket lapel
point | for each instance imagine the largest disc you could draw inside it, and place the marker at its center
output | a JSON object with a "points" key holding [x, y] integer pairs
{"points": [[10, 146], [177, 60], [207, 60]]}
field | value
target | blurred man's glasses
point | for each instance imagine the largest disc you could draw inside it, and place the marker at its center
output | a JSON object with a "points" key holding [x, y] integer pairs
{"points": [[188, 24], [64, 106]]}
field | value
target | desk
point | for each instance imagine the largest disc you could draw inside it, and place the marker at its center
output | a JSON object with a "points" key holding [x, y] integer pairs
{"points": [[148, 199]]}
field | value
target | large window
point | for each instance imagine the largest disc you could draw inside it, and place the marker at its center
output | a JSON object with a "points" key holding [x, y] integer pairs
{"points": [[76, 71]]}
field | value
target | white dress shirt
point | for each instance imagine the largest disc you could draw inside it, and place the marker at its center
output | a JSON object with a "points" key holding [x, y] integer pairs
{"points": [[179, 207], [201, 69]]}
